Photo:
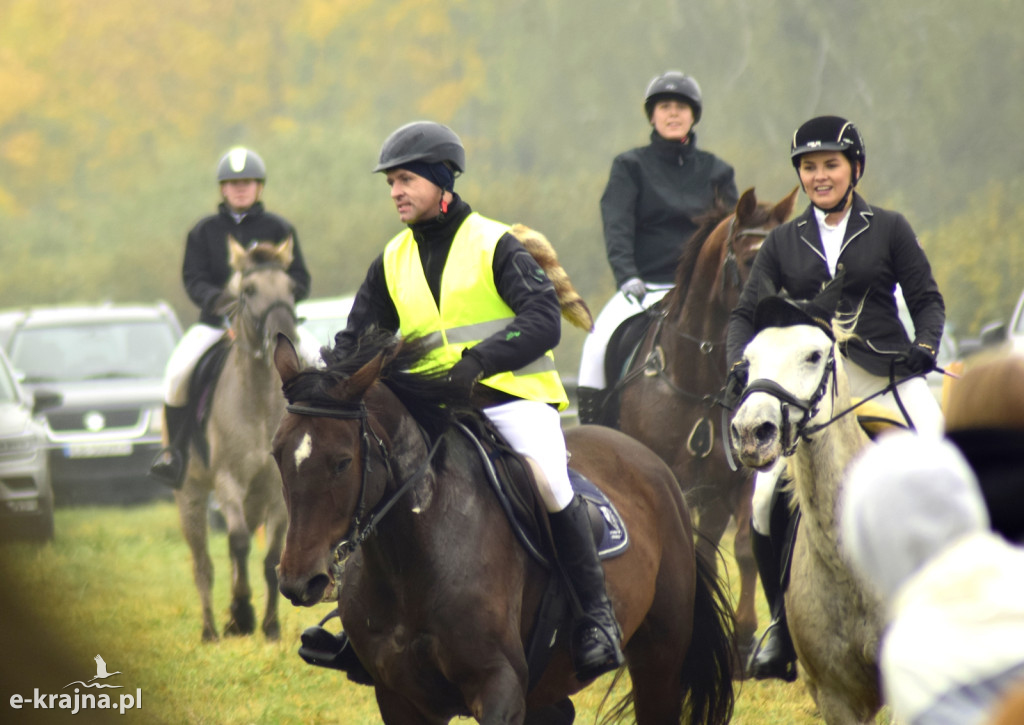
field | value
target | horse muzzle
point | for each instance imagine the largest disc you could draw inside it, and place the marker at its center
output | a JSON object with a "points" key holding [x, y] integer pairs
{"points": [[756, 435]]}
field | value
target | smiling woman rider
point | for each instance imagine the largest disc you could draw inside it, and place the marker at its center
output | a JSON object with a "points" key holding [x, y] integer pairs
{"points": [[874, 250]]}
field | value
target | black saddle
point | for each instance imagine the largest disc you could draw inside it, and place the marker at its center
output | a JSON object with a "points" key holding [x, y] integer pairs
{"points": [[619, 358]]}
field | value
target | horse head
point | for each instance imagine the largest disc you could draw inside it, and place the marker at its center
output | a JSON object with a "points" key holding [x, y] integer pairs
{"points": [[792, 368], [332, 448], [262, 294]]}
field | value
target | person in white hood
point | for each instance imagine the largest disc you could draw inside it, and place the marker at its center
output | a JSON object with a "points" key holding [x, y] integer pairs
{"points": [[915, 525]]}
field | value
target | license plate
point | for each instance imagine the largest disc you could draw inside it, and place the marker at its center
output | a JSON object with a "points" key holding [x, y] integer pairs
{"points": [[98, 450], [25, 506]]}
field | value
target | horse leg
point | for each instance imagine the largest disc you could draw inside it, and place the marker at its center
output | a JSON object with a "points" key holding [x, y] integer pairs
{"points": [[192, 503], [243, 617], [277, 524], [396, 709], [743, 551], [655, 659]]}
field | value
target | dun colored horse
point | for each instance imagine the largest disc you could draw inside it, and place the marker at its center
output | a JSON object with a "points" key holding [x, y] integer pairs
{"points": [[794, 405], [438, 596], [669, 393], [244, 411]]}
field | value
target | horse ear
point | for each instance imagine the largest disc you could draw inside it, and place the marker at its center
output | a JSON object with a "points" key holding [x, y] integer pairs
{"points": [[784, 209], [285, 252], [746, 206], [236, 253], [357, 385], [286, 360]]}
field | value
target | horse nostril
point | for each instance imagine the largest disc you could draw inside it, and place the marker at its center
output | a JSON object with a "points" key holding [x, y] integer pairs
{"points": [[766, 433], [305, 594]]}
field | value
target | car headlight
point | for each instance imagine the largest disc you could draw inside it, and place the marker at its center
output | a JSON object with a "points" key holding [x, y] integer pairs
{"points": [[23, 445]]}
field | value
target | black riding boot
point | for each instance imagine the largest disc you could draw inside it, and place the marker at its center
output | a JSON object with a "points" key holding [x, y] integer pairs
{"points": [[323, 648], [589, 404], [596, 635], [169, 465], [774, 656]]}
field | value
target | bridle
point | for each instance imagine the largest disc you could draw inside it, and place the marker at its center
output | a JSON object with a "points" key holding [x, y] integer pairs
{"points": [[259, 323], [362, 527], [654, 365], [792, 434]]}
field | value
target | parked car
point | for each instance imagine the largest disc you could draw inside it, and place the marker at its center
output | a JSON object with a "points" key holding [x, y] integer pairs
{"points": [[107, 363], [324, 316], [26, 494]]}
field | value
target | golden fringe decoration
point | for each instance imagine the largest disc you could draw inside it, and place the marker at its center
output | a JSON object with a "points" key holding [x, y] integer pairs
{"points": [[574, 309]]}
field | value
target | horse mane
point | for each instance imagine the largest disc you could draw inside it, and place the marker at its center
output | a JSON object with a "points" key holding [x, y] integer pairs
{"points": [[425, 393], [707, 222]]}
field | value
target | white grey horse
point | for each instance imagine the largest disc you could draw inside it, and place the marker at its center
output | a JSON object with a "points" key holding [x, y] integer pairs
{"points": [[796, 387]]}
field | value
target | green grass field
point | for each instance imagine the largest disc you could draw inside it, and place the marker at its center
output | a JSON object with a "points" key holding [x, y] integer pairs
{"points": [[118, 582]]}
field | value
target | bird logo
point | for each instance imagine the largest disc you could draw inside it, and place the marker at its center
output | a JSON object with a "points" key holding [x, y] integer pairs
{"points": [[101, 674]]}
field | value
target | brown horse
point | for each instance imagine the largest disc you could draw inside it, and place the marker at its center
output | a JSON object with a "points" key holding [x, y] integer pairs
{"points": [[244, 411], [669, 393], [438, 597]]}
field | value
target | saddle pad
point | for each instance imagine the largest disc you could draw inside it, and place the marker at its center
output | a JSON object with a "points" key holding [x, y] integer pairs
{"points": [[615, 538]]}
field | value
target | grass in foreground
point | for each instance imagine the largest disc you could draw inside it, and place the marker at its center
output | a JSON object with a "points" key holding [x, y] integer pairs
{"points": [[118, 582]]}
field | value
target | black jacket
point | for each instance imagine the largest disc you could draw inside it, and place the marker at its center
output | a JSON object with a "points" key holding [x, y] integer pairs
{"points": [[879, 251], [653, 202], [207, 269], [520, 280]]}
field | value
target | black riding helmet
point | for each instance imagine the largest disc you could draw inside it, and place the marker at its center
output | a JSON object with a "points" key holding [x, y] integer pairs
{"points": [[424, 141], [829, 133], [241, 163], [673, 84]]}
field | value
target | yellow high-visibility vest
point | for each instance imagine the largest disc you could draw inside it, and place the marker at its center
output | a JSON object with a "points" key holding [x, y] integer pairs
{"points": [[470, 309]]}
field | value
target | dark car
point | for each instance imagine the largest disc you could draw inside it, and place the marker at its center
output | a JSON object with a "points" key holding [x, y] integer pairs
{"points": [[26, 496], [107, 363]]}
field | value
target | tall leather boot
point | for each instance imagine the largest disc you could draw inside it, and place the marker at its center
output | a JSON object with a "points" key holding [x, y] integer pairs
{"points": [[774, 656], [169, 465], [590, 402], [596, 635]]}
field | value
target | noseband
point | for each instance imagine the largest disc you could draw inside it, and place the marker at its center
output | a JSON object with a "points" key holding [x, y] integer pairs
{"points": [[808, 407]]}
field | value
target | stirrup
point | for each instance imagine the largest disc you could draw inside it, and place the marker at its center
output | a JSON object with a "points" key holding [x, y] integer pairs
{"points": [[323, 648]]}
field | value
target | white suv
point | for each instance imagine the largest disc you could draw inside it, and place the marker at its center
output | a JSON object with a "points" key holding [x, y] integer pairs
{"points": [[107, 363]]}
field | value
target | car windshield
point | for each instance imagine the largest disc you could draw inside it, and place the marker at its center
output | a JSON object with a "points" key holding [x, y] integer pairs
{"points": [[90, 351]]}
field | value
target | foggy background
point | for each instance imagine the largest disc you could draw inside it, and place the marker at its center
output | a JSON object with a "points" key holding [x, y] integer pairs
{"points": [[115, 114]]}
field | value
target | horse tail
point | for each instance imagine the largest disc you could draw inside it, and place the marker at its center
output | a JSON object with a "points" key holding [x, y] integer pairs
{"points": [[574, 309], [712, 658]]}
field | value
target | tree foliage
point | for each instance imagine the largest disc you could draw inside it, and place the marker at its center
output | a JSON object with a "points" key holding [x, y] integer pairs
{"points": [[115, 114]]}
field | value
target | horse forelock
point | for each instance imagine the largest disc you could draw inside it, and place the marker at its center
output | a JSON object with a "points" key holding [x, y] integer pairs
{"points": [[425, 393]]}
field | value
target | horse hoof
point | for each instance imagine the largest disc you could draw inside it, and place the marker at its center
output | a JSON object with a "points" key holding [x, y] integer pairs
{"points": [[272, 631], [242, 621], [210, 634]]}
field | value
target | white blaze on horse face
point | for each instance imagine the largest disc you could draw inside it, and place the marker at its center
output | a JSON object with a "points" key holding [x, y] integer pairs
{"points": [[303, 450]]}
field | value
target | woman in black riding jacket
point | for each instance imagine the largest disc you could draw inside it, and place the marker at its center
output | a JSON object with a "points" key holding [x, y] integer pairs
{"points": [[874, 250]]}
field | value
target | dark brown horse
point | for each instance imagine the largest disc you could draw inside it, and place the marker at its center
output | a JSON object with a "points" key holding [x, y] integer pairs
{"points": [[439, 597], [668, 396]]}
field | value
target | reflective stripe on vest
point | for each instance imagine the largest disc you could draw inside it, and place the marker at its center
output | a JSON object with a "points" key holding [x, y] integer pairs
{"points": [[471, 309]]}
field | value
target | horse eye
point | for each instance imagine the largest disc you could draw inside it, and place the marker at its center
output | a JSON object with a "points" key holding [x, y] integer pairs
{"points": [[249, 290], [342, 465], [814, 357]]}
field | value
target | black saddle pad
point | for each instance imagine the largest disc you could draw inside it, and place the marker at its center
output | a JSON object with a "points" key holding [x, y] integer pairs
{"points": [[200, 393]]}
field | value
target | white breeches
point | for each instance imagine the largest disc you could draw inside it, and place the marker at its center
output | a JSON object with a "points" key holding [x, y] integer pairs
{"points": [[534, 429], [618, 309], [198, 339], [921, 405]]}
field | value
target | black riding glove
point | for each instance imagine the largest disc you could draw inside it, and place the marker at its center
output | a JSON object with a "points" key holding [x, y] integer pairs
{"points": [[920, 358], [463, 376]]}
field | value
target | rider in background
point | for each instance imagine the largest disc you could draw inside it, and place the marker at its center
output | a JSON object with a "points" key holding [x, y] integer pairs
{"points": [[458, 275], [206, 271], [654, 201], [874, 250]]}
